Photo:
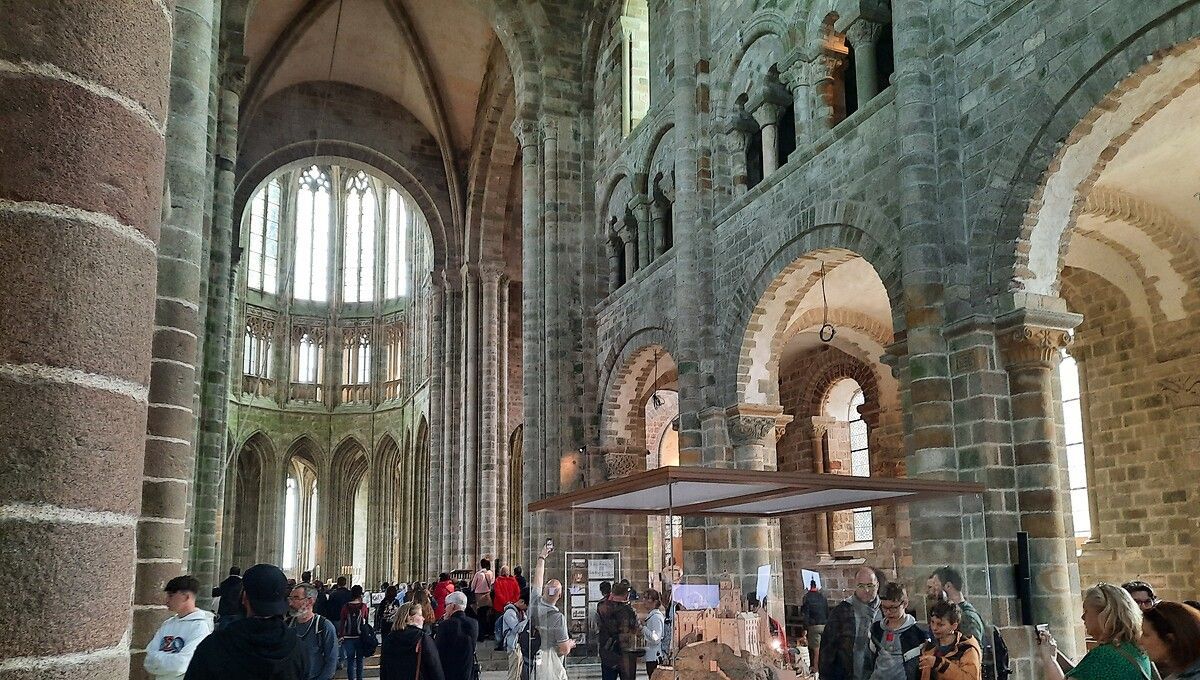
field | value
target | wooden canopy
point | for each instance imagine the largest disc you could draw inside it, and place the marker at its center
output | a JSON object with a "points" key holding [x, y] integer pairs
{"points": [[718, 492]]}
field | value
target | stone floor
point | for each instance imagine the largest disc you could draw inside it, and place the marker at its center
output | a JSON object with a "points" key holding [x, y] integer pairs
{"points": [[495, 666]]}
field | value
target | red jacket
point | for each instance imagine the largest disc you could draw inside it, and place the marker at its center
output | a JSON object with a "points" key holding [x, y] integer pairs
{"points": [[507, 591], [440, 590]]}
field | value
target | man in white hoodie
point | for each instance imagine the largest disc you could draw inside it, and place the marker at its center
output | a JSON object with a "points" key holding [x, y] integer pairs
{"points": [[171, 649]]}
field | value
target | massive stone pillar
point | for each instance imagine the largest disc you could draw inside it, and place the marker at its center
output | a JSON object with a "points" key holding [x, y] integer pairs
{"points": [[1030, 344], [435, 507], [740, 547], [170, 424], [489, 491], [468, 458], [504, 462], [211, 449], [83, 97]]}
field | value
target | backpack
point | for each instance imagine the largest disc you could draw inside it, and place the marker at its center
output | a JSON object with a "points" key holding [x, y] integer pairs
{"points": [[668, 632], [529, 641], [367, 642], [354, 622], [390, 611]]}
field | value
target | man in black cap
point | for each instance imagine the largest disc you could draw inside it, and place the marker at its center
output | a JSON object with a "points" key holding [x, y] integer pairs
{"points": [[260, 646], [229, 608]]}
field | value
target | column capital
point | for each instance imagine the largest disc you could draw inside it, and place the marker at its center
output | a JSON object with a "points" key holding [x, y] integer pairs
{"points": [[526, 131], [863, 31], [491, 271], [1034, 337], [754, 423], [820, 424], [829, 65], [767, 113], [233, 73], [800, 74]]}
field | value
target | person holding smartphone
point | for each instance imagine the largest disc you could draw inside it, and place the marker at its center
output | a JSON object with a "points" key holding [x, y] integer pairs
{"points": [[950, 655], [1113, 619], [550, 623]]}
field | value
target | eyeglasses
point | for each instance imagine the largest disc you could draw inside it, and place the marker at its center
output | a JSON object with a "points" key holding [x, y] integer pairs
{"points": [[892, 607]]}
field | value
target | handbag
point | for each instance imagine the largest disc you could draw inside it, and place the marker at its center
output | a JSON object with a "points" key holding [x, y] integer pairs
{"points": [[1133, 661]]}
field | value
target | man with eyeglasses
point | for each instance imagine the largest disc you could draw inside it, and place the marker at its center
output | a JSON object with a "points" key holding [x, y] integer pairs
{"points": [[845, 644], [896, 640]]}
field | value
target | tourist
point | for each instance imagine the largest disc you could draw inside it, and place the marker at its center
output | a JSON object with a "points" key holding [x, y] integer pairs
{"points": [[441, 589], [456, 637], [229, 609], [550, 623], [814, 611], [895, 640], [317, 634], [339, 595], [258, 646], [519, 574], [352, 626], [948, 581], [1142, 594], [505, 592], [618, 626], [653, 632], [1171, 638], [481, 588], [951, 655], [1114, 621], [844, 650], [421, 597], [512, 622], [172, 647], [409, 652], [387, 610]]}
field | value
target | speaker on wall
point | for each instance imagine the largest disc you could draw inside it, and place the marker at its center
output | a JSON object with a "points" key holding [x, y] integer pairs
{"points": [[1023, 578]]}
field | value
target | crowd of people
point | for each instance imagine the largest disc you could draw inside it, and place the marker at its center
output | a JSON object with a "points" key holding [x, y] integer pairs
{"points": [[269, 627]]}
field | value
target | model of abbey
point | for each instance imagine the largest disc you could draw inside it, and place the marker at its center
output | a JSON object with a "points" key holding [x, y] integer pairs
{"points": [[343, 286]]}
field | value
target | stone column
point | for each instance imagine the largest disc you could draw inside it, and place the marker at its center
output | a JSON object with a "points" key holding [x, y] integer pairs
{"points": [[631, 253], [1030, 345], [489, 411], [503, 463], [470, 454], [615, 269], [741, 547], [660, 212], [83, 88], [211, 450], [829, 68], [170, 425], [740, 133], [799, 78], [767, 118], [451, 470], [820, 425], [862, 36], [639, 206], [437, 416]]}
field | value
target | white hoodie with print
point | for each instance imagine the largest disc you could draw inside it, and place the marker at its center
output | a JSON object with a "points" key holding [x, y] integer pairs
{"points": [[171, 650]]}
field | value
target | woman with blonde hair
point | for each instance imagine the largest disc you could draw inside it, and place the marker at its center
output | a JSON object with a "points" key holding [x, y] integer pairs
{"points": [[1113, 619], [408, 652]]}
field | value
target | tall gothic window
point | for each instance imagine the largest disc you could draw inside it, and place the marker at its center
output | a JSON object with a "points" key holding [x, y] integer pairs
{"points": [[308, 359], [358, 254], [397, 236], [1068, 378], [313, 211], [635, 59], [262, 266]]}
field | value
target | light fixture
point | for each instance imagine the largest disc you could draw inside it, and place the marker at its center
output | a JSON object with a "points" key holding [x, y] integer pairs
{"points": [[655, 400], [827, 330]]}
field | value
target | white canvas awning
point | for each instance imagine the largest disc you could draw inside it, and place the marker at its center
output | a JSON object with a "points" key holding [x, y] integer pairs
{"points": [[718, 492]]}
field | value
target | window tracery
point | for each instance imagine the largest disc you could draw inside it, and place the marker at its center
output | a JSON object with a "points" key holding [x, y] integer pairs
{"points": [[313, 204], [358, 253], [262, 264]]}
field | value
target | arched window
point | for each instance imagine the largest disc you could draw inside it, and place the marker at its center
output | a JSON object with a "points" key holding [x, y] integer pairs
{"points": [[635, 62], [1068, 379], [848, 451], [262, 265], [289, 525], [358, 255], [398, 217], [313, 203]]}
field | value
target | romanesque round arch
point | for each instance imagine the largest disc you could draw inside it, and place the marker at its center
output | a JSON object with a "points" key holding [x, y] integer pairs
{"points": [[1064, 152], [628, 375], [834, 232]]}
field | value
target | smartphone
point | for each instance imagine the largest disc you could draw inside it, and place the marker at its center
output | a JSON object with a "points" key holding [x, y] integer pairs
{"points": [[1042, 628], [550, 544]]}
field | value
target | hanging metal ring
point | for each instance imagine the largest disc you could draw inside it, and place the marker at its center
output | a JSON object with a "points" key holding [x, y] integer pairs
{"points": [[827, 332]]}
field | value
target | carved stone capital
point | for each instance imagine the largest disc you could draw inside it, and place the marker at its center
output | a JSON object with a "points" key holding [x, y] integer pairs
{"points": [[619, 464], [820, 425], [800, 74], [1182, 392], [752, 424], [1034, 337], [829, 66], [863, 32], [767, 113], [491, 272], [526, 131]]}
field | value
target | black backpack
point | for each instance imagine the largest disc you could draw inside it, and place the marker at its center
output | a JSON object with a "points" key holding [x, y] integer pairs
{"points": [[1000, 655], [367, 642], [529, 640]]}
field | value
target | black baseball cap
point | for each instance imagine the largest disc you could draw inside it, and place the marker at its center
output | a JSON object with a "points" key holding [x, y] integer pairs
{"points": [[266, 588]]}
